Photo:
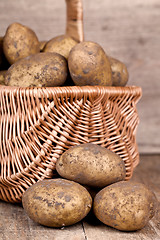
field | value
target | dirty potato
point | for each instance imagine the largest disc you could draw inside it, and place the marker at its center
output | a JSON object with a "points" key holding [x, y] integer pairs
{"points": [[42, 45], [61, 44], [119, 72], [1, 50], [57, 202], [126, 206], [38, 70], [2, 77], [91, 165], [89, 65], [19, 42]]}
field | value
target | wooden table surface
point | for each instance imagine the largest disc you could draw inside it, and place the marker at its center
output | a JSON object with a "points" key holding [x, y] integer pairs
{"points": [[14, 223]]}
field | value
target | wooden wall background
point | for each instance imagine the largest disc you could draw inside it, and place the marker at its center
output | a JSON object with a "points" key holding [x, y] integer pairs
{"points": [[127, 30]]}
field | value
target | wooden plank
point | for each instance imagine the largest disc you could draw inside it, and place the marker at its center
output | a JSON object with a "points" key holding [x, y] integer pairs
{"points": [[127, 30], [47, 18], [14, 224], [102, 232], [147, 172]]}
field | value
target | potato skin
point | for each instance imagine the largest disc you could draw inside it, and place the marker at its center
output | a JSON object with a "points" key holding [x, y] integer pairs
{"points": [[38, 70], [42, 45], [1, 50], [126, 206], [91, 165], [89, 65], [2, 77], [56, 202], [19, 42], [120, 73], [60, 44]]}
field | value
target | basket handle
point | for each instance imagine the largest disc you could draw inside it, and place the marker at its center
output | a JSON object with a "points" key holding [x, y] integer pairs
{"points": [[74, 26]]}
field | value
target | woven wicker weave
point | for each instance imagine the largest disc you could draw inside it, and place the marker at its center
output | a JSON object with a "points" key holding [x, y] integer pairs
{"points": [[38, 124]]}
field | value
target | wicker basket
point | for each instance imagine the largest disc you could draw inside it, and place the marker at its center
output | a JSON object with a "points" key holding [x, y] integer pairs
{"points": [[38, 124]]}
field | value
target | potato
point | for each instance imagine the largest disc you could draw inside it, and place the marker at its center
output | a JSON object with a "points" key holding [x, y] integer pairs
{"points": [[126, 206], [1, 50], [57, 202], [91, 165], [61, 44], [42, 45], [89, 65], [19, 42], [2, 77], [119, 72], [40, 70]]}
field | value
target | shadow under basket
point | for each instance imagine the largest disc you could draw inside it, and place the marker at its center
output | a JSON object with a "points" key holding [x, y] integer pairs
{"points": [[38, 124]]}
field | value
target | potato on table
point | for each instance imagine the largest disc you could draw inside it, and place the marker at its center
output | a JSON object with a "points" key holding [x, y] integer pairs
{"points": [[126, 206], [57, 202], [19, 42], [38, 70], [91, 165]]}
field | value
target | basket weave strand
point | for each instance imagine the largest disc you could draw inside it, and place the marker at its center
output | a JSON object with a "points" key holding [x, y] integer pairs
{"points": [[37, 125]]}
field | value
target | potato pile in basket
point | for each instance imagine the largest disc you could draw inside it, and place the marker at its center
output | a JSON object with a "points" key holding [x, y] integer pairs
{"points": [[91, 180], [61, 61]]}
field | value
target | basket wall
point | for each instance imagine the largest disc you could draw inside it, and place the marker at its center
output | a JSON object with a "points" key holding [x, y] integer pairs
{"points": [[37, 125]]}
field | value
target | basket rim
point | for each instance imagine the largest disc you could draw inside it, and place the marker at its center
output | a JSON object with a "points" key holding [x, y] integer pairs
{"points": [[74, 90]]}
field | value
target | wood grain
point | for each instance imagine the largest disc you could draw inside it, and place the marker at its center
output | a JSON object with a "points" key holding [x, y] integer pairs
{"points": [[127, 30], [14, 223]]}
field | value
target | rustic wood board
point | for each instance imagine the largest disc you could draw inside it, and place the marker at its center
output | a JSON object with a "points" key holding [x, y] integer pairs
{"points": [[14, 223], [128, 30]]}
